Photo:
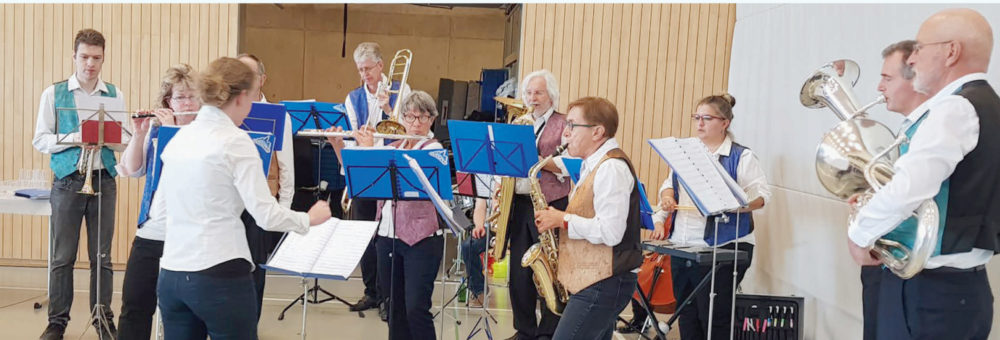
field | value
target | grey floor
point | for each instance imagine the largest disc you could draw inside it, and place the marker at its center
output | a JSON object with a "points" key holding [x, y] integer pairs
{"points": [[21, 288]]}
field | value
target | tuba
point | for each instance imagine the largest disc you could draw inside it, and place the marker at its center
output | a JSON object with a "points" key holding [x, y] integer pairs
{"points": [[519, 114], [543, 256], [856, 157]]}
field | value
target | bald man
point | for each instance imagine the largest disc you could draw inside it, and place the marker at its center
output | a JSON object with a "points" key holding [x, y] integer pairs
{"points": [[949, 161]]}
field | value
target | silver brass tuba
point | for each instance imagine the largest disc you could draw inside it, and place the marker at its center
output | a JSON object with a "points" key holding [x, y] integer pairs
{"points": [[856, 157]]}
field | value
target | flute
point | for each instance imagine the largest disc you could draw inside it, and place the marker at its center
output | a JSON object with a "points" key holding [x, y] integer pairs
{"points": [[347, 134], [150, 115]]}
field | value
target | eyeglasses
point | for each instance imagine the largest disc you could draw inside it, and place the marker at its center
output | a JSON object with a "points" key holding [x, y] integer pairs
{"points": [[572, 125], [918, 46], [184, 98], [706, 118], [421, 118]]}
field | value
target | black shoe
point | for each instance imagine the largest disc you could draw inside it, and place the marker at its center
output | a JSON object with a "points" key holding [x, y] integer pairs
{"points": [[364, 304], [108, 333], [516, 336], [54, 331], [383, 312], [630, 327]]}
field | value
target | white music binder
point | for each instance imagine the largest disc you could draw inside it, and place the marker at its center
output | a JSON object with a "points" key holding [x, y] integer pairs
{"points": [[330, 250], [705, 180]]}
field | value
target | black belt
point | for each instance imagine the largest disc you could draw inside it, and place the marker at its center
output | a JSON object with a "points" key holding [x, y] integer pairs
{"points": [[950, 270]]}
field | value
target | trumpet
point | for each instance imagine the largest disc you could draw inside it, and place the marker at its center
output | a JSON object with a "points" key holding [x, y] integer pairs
{"points": [[347, 134]]}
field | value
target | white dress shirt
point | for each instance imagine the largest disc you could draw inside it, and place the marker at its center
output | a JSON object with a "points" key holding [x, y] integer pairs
{"points": [[211, 173], [45, 139], [613, 186], [950, 131], [689, 225], [386, 228], [286, 163], [374, 111]]}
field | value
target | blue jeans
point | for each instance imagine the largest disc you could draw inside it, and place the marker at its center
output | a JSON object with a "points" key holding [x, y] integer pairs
{"points": [[591, 313], [194, 304], [471, 249]]}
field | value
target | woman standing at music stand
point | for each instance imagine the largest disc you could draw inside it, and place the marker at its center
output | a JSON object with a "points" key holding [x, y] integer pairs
{"points": [[211, 173], [139, 288], [713, 116]]}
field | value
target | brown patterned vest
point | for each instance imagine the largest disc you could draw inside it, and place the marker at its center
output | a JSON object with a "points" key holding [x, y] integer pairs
{"points": [[273, 175], [582, 263], [550, 139]]}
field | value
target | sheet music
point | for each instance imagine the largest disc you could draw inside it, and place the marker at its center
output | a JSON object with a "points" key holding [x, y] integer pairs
{"points": [[345, 247], [701, 175], [298, 253], [443, 210]]}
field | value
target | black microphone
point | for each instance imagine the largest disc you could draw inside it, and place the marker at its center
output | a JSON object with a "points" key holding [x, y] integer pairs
{"points": [[322, 188]]}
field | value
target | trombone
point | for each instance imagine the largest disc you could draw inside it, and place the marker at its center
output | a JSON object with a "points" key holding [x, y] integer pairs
{"points": [[402, 59]]}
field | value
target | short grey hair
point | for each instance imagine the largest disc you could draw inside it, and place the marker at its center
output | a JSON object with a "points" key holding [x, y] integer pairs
{"points": [[368, 51], [420, 101], [906, 47], [551, 85]]}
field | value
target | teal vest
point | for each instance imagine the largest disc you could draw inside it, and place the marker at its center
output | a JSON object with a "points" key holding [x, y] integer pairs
{"points": [[64, 163], [906, 231]]}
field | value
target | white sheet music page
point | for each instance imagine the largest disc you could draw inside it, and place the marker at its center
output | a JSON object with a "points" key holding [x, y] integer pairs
{"points": [[298, 253], [344, 249], [701, 175]]}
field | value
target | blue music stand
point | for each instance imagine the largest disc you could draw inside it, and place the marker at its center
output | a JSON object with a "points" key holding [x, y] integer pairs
{"points": [[267, 118], [316, 115], [384, 174], [493, 148]]}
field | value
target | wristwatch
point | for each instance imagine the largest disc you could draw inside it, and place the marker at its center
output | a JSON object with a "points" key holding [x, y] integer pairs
{"points": [[566, 221]]}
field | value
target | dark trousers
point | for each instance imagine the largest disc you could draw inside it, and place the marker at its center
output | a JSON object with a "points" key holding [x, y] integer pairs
{"points": [[261, 243], [591, 312], [935, 304], [471, 249], [139, 289], [694, 317], [68, 211], [195, 305], [408, 273], [523, 294], [364, 210], [870, 278]]}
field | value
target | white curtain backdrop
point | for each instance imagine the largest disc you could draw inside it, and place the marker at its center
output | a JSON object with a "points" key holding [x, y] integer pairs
{"points": [[801, 234]]}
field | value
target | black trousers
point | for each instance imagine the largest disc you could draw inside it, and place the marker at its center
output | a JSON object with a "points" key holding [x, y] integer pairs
{"points": [[935, 304], [365, 210], [261, 244], [407, 275], [694, 317], [871, 276], [139, 289], [523, 295]]}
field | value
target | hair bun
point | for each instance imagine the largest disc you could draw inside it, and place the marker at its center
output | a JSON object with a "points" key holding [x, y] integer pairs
{"points": [[729, 98]]}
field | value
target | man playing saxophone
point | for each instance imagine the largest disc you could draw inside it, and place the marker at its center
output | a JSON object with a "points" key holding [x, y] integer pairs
{"points": [[540, 91], [599, 246], [950, 158]]}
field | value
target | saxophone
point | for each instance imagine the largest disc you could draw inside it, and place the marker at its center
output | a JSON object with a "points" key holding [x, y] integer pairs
{"points": [[518, 114], [543, 256]]}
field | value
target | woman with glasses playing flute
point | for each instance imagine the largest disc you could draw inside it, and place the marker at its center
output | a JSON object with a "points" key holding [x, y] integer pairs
{"points": [[142, 270], [712, 117], [409, 242]]}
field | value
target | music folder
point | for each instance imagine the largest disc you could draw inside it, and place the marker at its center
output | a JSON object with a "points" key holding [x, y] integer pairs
{"points": [[709, 185], [330, 250]]}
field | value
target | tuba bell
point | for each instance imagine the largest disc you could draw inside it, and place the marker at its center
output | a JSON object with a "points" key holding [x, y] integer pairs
{"points": [[856, 157]]}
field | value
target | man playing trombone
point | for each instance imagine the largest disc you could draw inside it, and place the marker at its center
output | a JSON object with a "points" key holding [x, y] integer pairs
{"points": [[84, 90]]}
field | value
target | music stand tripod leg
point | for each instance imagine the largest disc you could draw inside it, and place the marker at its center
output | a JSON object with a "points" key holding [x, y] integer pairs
{"points": [[644, 301]]}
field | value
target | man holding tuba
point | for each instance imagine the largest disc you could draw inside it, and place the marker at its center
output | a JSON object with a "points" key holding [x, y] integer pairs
{"points": [[599, 246], [540, 91], [948, 160], [83, 90], [896, 85]]}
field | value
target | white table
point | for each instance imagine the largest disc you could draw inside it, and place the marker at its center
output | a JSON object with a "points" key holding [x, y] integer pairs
{"points": [[10, 204]]}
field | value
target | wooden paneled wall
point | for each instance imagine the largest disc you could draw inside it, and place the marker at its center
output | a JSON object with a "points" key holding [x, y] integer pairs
{"points": [[654, 61], [142, 42], [304, 51]]}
